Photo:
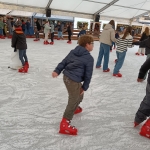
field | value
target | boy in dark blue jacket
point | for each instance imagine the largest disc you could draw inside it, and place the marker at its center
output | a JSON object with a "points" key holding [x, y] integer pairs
{"points": [[78, 67]]}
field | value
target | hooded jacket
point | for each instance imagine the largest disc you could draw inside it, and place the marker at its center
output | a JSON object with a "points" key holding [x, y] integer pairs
{"points": [[78, 66], [108, 35], [19, 39]]}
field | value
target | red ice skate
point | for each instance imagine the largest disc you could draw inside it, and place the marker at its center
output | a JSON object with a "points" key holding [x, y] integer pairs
{"points": [[78, 110], [98, 67], [136, 124], [117, 75], [107, 70], [137, 53], [66, 128], [51, 43], [145, 130], [23, 69], [26, 64]]}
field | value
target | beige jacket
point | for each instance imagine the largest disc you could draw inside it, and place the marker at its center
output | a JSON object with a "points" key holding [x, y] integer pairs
{"points": [[108, 35]]}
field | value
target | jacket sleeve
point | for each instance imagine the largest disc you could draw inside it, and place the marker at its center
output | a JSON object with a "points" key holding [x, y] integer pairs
{"points": [[47, 27], [62, 64], [14, 40], [142, 37], [144, 68], [112, 35], [88, 75], [130, 43], [141, 43]]}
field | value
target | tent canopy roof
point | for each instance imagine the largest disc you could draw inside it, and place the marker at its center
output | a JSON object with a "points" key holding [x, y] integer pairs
{"points": [[111, 8]]}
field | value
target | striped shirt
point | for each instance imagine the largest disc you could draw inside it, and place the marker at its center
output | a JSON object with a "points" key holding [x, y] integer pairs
{"points": [[123, 44]]}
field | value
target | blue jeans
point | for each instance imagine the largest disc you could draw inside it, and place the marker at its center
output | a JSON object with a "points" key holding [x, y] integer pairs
{"points": [[22, 54], [104, 51], [120, 60], [60, 34], [1, 31]]}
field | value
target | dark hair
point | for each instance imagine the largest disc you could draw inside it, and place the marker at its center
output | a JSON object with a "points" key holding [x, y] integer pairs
{"points": [[84, 39], [127, 32], [112, 22]]}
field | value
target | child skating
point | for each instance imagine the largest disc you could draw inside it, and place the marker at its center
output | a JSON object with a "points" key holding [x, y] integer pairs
{"points": [[77, 67]]}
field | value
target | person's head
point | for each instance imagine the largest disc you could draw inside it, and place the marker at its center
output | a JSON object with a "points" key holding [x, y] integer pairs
{"points": [[127, 32], [17, 24], [147, 31], [112, 22], [87, 42]]}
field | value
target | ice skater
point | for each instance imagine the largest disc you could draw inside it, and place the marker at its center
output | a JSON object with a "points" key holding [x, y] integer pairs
{"points": [[19, 43], [77, 67]]}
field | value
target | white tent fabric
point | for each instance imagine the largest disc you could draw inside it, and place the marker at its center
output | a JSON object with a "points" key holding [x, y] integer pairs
{"points": [[4, 11], [21, 13], [121, 8], [27, 2]]}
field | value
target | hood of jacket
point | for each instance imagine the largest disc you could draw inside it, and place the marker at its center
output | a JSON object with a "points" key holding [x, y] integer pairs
{"points": [[108, 27], [80, 51]]}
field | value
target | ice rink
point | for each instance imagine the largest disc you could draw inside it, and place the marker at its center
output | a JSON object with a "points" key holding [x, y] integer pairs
{"points": [[32, 104]]}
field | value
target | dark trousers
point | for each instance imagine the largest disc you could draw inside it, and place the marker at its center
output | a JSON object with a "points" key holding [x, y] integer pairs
{"points": [[74, 98], [52, 37], [23, 56], [69, 37], [37, 35], [144, 109]]}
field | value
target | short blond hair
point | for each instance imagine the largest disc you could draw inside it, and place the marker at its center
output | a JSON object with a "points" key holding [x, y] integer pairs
{"points": [[85, 39]]}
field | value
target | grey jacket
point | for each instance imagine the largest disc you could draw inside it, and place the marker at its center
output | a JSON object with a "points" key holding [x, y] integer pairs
{"points": [[108, 35]]}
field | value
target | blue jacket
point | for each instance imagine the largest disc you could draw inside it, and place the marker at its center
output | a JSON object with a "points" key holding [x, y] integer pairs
{"points": [[82, 32], [78, 66]]}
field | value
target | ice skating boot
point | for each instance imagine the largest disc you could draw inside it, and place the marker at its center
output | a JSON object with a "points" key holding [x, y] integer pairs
{"points": [[47, 42], [69, 42], [35, 40], [44, 43], [26, 64], [137, 53], [78, 110], [136, 124], [51, 43], [107, 70], [145, 130], [66, 128], [23, 69], [117, 75], [142, 54]]}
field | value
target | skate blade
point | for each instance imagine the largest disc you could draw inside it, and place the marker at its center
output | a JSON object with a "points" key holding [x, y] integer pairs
{"points": [[66, 132]]}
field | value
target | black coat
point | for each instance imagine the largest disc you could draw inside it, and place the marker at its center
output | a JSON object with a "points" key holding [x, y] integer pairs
{"points": [[145, 43], [38, 26], [143, 37], [144, 68], [78, 66], [19, 40]]}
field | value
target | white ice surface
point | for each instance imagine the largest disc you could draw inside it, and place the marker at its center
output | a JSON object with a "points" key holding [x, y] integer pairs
{"points": [[32, 104]]}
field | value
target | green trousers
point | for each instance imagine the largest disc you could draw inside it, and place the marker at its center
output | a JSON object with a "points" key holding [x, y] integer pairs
{"points": [[74, 97]]}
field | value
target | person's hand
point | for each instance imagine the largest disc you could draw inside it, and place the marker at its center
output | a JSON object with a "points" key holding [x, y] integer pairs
{"points": [[54, 74], [139, 80], [81, 91]]}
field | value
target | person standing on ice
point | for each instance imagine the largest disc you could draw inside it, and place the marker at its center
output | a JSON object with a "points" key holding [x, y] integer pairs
{"points": [[77, 67], [46, 32], [144, 109], [69, 33], [19, 43]]}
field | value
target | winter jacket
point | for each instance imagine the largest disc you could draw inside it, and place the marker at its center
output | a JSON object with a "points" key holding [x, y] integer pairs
{"points": [[52, 28], [78, 66], [59, 28], [143, 37], [68, 30], [19, 39], [144, 68], [145, 43], [1, 25], [47, 28], [38, 26], [108, 35], [82, 32]]}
